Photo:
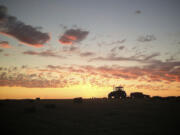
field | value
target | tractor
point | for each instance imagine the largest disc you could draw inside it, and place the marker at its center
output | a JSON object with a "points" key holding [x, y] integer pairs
{"points": [[117, 93]]}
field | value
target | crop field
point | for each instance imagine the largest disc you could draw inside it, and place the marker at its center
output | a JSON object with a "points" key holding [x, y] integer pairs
{"points": [[92, 117]]}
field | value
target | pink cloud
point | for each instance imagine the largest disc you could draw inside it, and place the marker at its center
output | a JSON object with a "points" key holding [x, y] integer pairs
{"points": [[73, 35], [5, 44]]}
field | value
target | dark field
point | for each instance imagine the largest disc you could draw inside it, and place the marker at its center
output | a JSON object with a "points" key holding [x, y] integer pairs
{"points": [[63, 117]]}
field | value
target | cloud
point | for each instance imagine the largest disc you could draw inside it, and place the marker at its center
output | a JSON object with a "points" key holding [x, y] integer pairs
{"points": [[87, 54], [71, 36], [64, 76], [121, 47], [138, 12], [6, 54], [30, 81], [150, 87], [155, 72], [3, 12], [26, 34], [47, 53], [118, 42], [147, 38], [35, 78], [161, 72], [114, 49], [54, 67], [151, 56], [70, 50], [168, 71], [113, 57], [74, 50], [4, 44]]}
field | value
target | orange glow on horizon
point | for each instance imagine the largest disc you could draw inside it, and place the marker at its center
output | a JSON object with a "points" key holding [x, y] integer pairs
{"points": [[85, 91]]}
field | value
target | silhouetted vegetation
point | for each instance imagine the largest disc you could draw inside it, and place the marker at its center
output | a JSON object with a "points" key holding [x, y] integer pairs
{"points": [[31, 109], [50, 106], [157, 98], [78, 100], [1, 104], [37, 99], [30, 100]]}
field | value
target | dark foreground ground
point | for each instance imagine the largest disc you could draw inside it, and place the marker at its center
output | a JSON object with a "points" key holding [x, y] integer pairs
{"points": [[92, 117]]}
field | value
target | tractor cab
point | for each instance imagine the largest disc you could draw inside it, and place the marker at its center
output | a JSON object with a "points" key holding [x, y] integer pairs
{"points": [[119, 88]]}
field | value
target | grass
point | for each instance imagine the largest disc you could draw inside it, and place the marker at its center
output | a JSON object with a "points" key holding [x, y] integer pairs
{"points": [[63, 117]]}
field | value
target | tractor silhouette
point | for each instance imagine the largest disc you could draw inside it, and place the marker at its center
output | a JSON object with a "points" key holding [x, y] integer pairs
{"points": [[117, 93]]}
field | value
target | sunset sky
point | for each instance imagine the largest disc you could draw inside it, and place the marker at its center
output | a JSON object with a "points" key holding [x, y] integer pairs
{"points": [[71, 48]]}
